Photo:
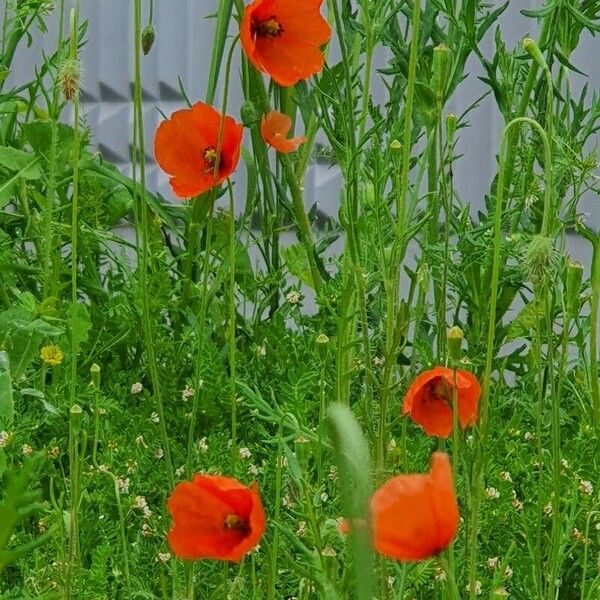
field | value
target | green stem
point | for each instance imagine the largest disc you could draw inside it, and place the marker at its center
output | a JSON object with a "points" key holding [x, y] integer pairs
{"points": [[142, 223], [478, 468]]}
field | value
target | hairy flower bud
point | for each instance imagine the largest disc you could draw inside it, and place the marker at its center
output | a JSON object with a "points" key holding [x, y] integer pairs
{"points": [[148, 37]]}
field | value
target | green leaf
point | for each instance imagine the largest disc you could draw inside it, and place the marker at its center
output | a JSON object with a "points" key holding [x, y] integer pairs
{"points": [[7, 405], [16, 160], [526, 321], [39, 136], [297, 263]]}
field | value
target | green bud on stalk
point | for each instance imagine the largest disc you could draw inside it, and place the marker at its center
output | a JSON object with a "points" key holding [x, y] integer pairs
{"points": [[454, 339], [534, 51], [148, 37], [323, 346], [442, 56], [76, 414], [573, 285]]}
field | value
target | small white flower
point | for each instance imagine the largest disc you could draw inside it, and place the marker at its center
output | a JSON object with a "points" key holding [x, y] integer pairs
{"points": [[163, 557], [137, 388], [261, 350], [517, 504], [102, 469], [180, 471], [139, 440], [140, 502], [159, 453], [293, 297], [392, 445], [146, 530], [390, 582], [245, 453], [328, 551], [253, 470], [528, 436], [505, 476], [147, 512], [508, 572], [439, 574], [203, 445], [324, 497], [302, 529], [123, 485], [476, 588], [493, 562], [492, 493], [187, 393], [548, 509], [379, 361], [154, 417], [27, 450], [333, 473], [586, 487], [4, 438], [287, 502], [564, 463]]}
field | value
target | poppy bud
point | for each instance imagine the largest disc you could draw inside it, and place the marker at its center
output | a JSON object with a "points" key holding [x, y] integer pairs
{"points": [[76, 413], [395, 145], [441, 69], [573, 285], [148, 37], [539, 259], [451, 121], [534, 51], [302, 448], [454, 338], [95, 371], [322, 345], [249, 114]]}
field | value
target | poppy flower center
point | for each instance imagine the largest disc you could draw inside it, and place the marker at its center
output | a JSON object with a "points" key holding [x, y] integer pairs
{"points": [[210, 156], [270, 27], [235, 522], [440, 390]]}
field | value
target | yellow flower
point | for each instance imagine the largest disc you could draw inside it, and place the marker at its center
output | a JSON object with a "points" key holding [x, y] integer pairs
{"points": [[51, 355]]}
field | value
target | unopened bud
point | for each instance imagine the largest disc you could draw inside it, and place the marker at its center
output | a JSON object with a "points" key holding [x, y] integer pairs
{"points": [[573, 285], [322, 345], [95, 371], [395, 145], [249, 114], [454, 338], [76, 413], [442, 56], [148, 37], [534, 51], [451, 122]]}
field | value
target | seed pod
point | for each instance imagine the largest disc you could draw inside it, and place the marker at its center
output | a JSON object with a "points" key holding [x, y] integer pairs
{"points": [[68, 78], [249, 114]]}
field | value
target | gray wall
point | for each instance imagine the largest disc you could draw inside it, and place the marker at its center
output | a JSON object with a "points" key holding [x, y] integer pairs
{"points": [[183, 47]]}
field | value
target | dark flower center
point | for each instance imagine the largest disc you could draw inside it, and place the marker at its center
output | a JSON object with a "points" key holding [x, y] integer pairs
{"points": [[270, 27], [440, 390], [210, 156], [235, 522]]}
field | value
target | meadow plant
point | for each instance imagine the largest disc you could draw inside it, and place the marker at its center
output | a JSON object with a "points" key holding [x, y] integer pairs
{"points": [[253, 399]]}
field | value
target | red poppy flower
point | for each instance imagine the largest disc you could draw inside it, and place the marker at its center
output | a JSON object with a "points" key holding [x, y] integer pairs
{"points": [[274, 128], [186, 145], [429, 400], [283, 38], [415, 517], [215, 517]]}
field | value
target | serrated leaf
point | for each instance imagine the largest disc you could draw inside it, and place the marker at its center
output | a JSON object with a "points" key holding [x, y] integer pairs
{"points": [[23, 162]]}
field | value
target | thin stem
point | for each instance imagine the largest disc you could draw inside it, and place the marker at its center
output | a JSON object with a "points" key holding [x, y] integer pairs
{"points": [[478, 468]]}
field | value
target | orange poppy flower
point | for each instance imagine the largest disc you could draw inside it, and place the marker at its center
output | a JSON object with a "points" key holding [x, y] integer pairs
{"points": [[283, 38], [215, 517], [274, 127], [415, 517], [429, 400], [185, 147]]}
